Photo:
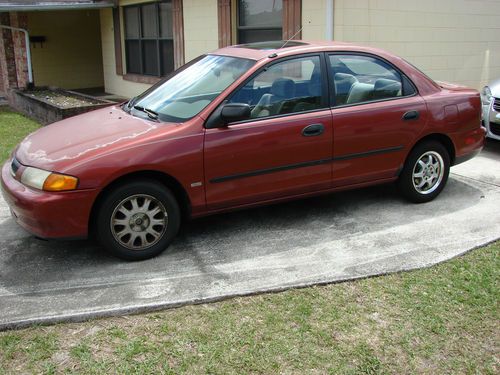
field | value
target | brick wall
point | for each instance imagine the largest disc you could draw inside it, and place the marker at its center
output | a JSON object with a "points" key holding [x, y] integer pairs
{"points": [[7, 56], [13, 66], [3, 67], [19, 42]]}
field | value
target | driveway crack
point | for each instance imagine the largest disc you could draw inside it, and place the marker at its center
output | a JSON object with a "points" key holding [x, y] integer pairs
{"points": [[475, 179]]}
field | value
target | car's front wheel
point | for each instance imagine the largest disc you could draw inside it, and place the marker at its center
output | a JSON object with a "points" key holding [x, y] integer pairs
{"points": [[425, 172], [138, 220]]}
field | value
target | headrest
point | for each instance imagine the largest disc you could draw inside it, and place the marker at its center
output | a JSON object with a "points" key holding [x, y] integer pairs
{"points": [[283, 87], [383, 83], [315, 77], [386, 87], [345, 78], [315, 84]]}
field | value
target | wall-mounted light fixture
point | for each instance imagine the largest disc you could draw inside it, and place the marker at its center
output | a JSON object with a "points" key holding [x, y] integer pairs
{"points": [[38, 39]]}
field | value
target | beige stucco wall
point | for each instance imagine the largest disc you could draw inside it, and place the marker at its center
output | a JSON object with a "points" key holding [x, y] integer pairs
{"points": [[71, 56], [451, 40], [200, 27], [314, 19]]}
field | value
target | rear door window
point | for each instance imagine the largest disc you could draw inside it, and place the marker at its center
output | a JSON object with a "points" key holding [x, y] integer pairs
{"points": [[363, 79]]}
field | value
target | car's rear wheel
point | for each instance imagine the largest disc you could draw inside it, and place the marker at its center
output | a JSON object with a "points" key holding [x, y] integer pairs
{"points": [[425, 172], [138, 220]]}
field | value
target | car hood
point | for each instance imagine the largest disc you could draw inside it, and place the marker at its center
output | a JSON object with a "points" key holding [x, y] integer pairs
{"points": [[63, 143]]}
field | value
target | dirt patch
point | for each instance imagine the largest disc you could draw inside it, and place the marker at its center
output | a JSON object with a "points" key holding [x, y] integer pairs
{"points": [[61, 99]]}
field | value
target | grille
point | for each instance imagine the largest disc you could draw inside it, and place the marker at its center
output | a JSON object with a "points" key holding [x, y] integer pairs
{"points": [[14, 166], [495, 128], [496, 104]]}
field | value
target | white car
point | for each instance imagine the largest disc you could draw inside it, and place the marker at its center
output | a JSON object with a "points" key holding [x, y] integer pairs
{"points": [[490, 97]]}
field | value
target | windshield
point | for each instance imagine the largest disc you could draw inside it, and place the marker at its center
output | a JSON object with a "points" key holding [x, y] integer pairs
{"points": [[189, 91]]}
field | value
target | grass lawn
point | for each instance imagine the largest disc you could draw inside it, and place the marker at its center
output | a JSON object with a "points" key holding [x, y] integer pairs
{"points": [[441, 320], [13, 128]]}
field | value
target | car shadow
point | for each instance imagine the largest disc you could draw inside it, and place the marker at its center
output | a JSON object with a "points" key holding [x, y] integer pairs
{"points": [[29, 265], [491, 146]]}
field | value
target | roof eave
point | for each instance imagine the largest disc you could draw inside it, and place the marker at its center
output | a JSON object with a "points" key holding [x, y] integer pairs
{"points": [[56, 6]]}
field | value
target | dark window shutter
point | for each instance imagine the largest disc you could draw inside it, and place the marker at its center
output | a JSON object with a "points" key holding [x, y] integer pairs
{"points": [[224, 17], [117, 40], [292, 19]]}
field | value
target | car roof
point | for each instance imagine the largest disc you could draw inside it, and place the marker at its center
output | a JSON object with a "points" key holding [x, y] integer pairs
{"points": [[263, 50], [266, 51]]}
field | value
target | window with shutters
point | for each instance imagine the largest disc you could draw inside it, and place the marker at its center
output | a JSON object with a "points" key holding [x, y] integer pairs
{"points": [[259, 20], [149, 41]]}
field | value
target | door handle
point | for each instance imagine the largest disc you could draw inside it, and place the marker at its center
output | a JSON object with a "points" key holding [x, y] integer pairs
{"points": [[411, 115], [312, 130]]}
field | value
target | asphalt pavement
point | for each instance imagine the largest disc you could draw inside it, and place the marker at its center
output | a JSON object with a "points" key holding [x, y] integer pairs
{"points": [[326, 239]]}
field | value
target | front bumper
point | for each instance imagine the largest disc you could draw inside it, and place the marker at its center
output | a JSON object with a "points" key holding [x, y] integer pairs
{"points": [[491, 120], [47, 214]]}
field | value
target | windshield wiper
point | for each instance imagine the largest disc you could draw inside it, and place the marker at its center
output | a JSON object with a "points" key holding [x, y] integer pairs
{"points": [[151, 114], [127, 106]]}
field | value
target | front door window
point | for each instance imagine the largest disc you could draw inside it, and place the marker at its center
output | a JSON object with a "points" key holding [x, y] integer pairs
{"points": [[291, 86]]}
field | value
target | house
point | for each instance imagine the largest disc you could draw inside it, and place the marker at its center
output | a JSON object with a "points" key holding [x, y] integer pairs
{"points": [[125, 46]]}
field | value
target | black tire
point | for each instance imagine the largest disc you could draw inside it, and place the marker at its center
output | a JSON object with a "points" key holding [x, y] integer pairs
{"points": [[408, 183], [141, 199]]}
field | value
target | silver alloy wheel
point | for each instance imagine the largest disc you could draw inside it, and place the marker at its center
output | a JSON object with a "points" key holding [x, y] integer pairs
{"points": [[428, 172], [139, 221]]}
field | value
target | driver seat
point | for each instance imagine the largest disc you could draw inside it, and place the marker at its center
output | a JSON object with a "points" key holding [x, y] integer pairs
{"points": [[271, 104]]}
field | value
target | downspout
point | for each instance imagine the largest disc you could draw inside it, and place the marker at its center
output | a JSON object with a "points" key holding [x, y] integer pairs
{"points": [[28, 52], [329, 20]]}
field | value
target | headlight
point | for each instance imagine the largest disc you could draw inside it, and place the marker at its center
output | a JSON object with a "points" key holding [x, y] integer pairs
{"points": [[486, 95], [48, 181]]}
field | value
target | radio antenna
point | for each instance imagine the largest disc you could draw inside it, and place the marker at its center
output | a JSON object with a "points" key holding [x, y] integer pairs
{"points": [[291, 38]]}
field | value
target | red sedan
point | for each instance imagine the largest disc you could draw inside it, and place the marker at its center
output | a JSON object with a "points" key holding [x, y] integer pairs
{"points": [[243, 126]]}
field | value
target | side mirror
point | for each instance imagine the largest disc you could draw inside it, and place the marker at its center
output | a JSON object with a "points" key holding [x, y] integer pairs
{"points": [[235, 112]]}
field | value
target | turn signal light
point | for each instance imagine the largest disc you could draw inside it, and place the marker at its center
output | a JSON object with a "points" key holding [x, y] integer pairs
{"points": [[60, 182]]}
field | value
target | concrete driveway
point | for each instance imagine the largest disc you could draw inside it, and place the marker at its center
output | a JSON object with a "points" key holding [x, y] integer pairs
{"points": [[320, 240]]}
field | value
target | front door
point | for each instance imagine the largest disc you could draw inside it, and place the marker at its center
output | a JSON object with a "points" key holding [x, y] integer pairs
{"points": [[284, 148]]}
